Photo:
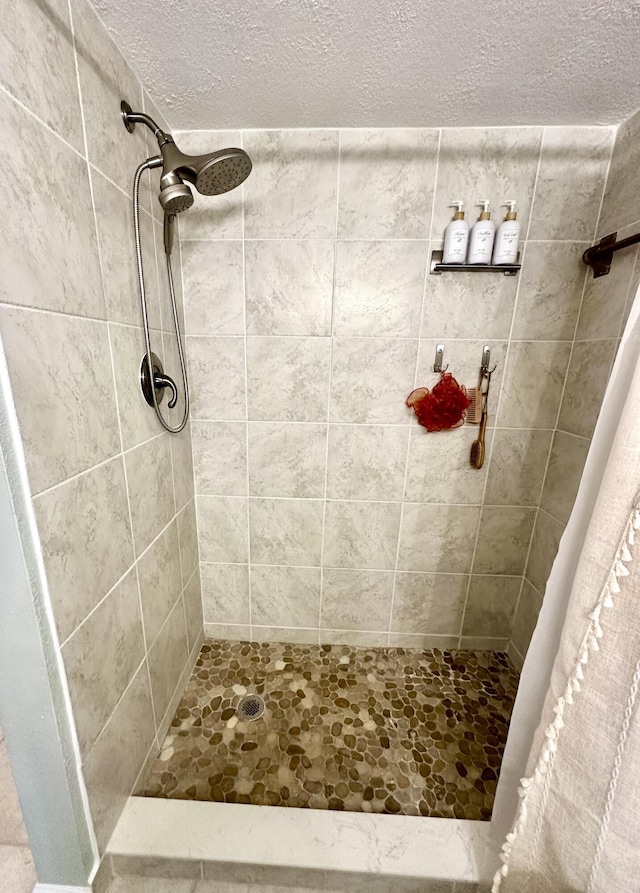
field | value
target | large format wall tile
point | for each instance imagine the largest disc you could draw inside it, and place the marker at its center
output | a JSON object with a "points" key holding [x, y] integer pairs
{"points": [[99, 667], [367, 461], [223, 529], [150, 483], [465, 305], [285, 596], [167, 658], [138, 420], [86, 540], [517, 469], [566, 462], [291, 192], [587, 379], [225, 593], [287, 459], [286, 531], [356, 599], [491, 606], [533, 383], [214, 287], [605, 298], [288, 379], [188, 540], [386, 183], [503, 540], [182, 462], [216, 373], [65, 402], [429, 603], [361, 534], [544, 547], [621, 205], [439, 468], [437, 538], [160, 580], [220, 458], [526, 617]]}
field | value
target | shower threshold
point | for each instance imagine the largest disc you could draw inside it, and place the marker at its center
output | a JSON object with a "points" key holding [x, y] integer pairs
{"points": [[372, 730]]}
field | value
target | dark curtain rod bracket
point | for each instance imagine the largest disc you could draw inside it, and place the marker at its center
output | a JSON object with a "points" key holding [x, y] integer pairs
{"points": [[600, 257]]}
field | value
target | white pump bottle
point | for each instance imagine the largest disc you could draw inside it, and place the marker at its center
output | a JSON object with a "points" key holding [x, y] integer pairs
{"points": [[505, 250], [482, 234], [456, 237]]}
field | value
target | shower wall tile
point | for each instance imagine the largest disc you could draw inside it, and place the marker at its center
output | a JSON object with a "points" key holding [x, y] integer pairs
{"points": [[138, 422], [225, 593], [566, 462], [517, 469], [160, 580], [503, 540], [437, 538], [188, 540], [491, 606], [150, 483], [467, 305], [526, 617], [571, 178], [214, 287], [286, 531], [289, 287], [587, 378], [167, 658], [86, 540], [367, 461], [463, 358], [223, 529], [216, 368], [439, 470], [285, 596], [288, 379], [386, 183], [287, 460], [379, 288], [429, 603], [99, 667], [294, 634], [544, 546], [552, 269], [356, 599], [621, 205], [220, 458], [182, 463], [68, 421], [605, 298], [291, 192], [533, 383], [361, 534], [50, 253], [193, 609]]}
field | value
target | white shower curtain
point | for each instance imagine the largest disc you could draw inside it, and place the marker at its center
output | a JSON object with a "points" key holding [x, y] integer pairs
{"points": [[575, 823]]}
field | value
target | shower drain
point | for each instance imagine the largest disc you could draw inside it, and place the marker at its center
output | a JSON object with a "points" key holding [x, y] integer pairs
{"points": [[250, 707]]}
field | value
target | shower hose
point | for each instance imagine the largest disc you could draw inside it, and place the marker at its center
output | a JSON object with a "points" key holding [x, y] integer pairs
{"points": [[148, 165]]}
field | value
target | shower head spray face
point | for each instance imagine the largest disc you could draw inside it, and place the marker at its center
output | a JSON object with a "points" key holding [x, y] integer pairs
{"points": [[175, 198], [211, 174]]}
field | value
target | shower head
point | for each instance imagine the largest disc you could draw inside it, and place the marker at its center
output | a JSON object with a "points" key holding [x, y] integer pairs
{"points": [[211, 174], [176, 198]]}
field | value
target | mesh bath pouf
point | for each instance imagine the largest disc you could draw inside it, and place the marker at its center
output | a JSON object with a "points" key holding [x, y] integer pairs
{"points": [[441, 408]]}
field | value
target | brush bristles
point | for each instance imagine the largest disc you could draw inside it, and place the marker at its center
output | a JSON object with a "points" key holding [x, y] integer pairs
{"points": [[474, 413]]}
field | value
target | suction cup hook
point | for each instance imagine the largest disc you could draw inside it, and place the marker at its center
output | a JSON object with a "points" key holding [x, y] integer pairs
{"points": [[126, 110]]}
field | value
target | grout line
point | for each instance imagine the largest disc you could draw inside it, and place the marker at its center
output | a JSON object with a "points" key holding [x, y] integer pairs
{"points": [[246, 393], [47, 127]]}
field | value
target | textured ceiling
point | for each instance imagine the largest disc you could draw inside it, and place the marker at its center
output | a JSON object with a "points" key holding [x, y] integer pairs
{"points": [[382, 63]]}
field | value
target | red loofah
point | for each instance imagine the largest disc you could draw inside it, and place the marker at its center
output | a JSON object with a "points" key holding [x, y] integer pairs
{"points": [[441, 408]]}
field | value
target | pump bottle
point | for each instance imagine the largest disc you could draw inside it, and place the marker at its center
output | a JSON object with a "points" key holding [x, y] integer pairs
{"points": [[481, 240], [505, 250], [456, 237]]}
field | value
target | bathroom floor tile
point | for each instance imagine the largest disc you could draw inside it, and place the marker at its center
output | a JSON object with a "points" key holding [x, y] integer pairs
{"points": [[386, 730]]}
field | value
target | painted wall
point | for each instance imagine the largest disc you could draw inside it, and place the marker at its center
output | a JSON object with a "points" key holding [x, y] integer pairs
{"points": [[324, 512], [112, 494], [605, 306]]}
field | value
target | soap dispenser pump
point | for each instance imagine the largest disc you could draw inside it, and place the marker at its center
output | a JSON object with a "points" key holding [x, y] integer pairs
{"points": [[456, 237], [505, 250], [482, 234]]}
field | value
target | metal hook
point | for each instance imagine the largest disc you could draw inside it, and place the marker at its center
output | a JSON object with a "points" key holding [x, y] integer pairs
{"points": [[437, 362]]}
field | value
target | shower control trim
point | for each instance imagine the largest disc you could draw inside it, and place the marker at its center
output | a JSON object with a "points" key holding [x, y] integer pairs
{"points": [[160, 382]]}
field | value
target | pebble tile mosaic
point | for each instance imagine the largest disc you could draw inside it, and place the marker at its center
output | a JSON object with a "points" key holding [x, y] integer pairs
{"points": [[384, 730]]}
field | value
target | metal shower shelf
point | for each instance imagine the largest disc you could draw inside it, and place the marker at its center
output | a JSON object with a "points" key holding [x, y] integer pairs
{"points": [[437, 267]]}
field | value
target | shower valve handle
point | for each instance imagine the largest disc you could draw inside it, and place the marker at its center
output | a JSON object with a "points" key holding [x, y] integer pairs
{"points": [[165, 381]]}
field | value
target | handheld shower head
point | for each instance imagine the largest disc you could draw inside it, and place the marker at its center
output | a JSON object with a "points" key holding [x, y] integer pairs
{"points": [[175, 198]]}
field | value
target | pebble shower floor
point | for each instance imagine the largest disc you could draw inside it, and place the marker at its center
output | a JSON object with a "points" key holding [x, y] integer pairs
{"points": [[384, 730]]}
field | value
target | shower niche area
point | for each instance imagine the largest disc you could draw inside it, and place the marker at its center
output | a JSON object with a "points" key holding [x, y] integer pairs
{"points": [[302, 598]]}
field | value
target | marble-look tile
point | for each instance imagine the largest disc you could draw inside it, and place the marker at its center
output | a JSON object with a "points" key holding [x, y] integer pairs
{"points": [[220, 458], [386, 183], [286, 531], [366, 461], [573, 168], [605, 298], [18, 871], [361, 534], [114, 220], [54, 225], [406, 640], [526, 618], [217, 377], [164, 879], [294, 635], [437, 538], [503, 540], [182, 463], [496, 163], [86, 540], [188, 540], [138, 420], [288, 378], [483, 643], [289, 287], [429, 604], [285, 596], [12, 829], [223, 529], [291, 192], [533, 383], [287, 459], [355, 638], [218, 218], [544, 547], [214, 287], [463, 359], [356, 599], [233, 632], [114, 762], [371, 378], [379, 288], [193, 609], [150, 483], [517, 466], [37, 64], [587, 379], [101, 657], [491, 606], [621, 205], [167, 658], [160, 580], [465, 305], [553, 277], [106, 79], [103, 877], [514, 656], [566, 462], [439, 468], [225, 593]]}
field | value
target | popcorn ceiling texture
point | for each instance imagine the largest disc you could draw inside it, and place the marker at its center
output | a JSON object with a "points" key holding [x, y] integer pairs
{"points": [[381, 64]]}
